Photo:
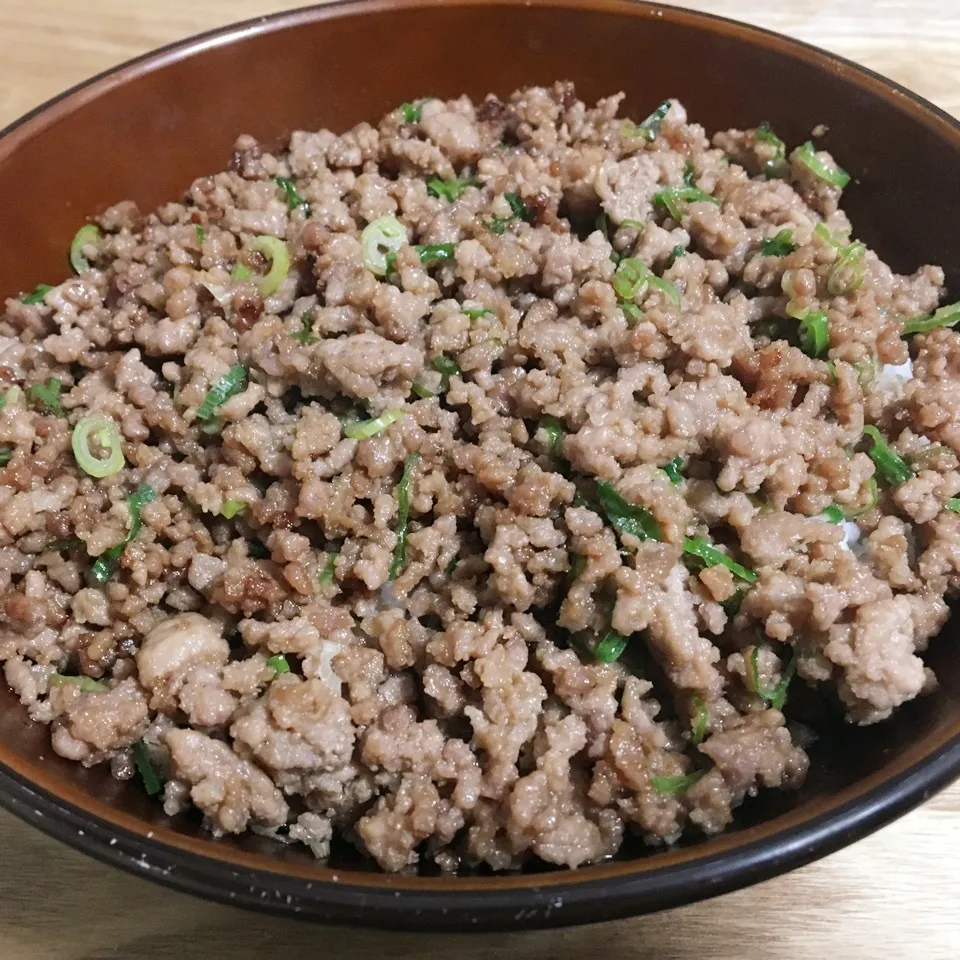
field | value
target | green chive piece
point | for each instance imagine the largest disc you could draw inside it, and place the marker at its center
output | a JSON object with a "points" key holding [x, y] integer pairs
{"points": [[890, 465], [475, 313], [650, 127], [633, 276], [673, 470], [701, 717], [520, 210], [87, 236], [625, 517], [675, 254], [149, 777], [293, 198], [702, 549], [231, 508], [305, 334], [107, 432], [84, 683], [775, 165], [451, 190], [48, 393], [63, 546], [775, 696], [329, 569], [411, 111], [814, 333], [671, 198], [402, 494], [610, 647], [778, 246], [229, 385], [201, 233], [846, 274], [446, 365], [944, 317], [435, 252], [953, 504], [379, 240], [39, 292], [106, 563], [5, 454], [833, 514], [670, 786], [555, 431], [807, 155], [278, 664], [363, 429]]}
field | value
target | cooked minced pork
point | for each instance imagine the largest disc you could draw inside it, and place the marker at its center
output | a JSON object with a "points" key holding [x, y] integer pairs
{"points": [[477, 487]]}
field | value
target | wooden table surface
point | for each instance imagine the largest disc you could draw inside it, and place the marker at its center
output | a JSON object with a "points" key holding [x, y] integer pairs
{"points": [[893, 895]]}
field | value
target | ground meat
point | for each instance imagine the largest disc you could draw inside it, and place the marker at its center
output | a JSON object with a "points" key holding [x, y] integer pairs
{"points": [[395, 538]]}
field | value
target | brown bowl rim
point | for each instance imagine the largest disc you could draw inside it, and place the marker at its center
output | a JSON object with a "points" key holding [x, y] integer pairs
{"points": [[518, 901]]}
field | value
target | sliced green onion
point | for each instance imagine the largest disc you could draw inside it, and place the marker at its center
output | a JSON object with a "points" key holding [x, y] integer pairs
{"points": [[814, 333], [701, 717], [293, 198], [671, 198], [475, 313], [39, 292], [105, 564], [846, 275], [603, 225], [775, 165], [329, 569], [230, 384], [673, 470], [689, 172], [778, 246], [873, 495], [833, 514], [451, 190], [370, 428], [807, 155], [823, 232], [384, 236], [625, 517], [107, 435], [84, 683], [231, 508], [87, 236], [637, 225], [633, 313], [678, 251], [832, 370], [732, 604], [520, 210], [5, 454], [890, 465], [775, 696], [610, 647], [670, 786], [498, 225], [446, 365], [239, 273], [555, 431], [411, 111], [632, 276], [402, 495], [201, 233], [275, 250], [48, 393], [278, 664], [149, 777], [944, 317], [650, 127], [305, 334], [435, 252], [63, 546], [702, 549], [953, 504]]}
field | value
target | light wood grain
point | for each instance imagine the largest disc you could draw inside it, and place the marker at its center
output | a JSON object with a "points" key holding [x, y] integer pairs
{"points": [[893, 895]]}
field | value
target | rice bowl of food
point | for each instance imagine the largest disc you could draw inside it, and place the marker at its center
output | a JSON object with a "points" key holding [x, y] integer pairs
{"points": [[507, 497]]}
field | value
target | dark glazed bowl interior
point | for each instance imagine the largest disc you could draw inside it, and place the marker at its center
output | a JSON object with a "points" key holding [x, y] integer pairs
{"points": [[146, 130]]}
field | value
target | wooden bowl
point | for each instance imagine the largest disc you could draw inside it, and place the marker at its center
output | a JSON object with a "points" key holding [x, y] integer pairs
{"points": [[146, 129]]}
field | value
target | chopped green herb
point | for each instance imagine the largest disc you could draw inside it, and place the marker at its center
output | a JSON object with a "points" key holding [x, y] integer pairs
{"points": [[231, 508], [87, 236], [451, 566], [329, 569], [603, 225], [846, 274], [229, 385], [807, 155], [832, 370], [555, 431], [402, 494], [84, 683], [953, 504], [633, 276], [689, 172], [778, 246], [702, 549], [39, 292], [379, 239], [435, 252], [108, 437], [670, 786], [446, 365], [671, 198], [678, 251], [673, 470], [577, 567], [5, 454], [276, 251], [650, 127], [201, 233], [363, 429], [732, 604], [632, 311], [305, 334], [498, 225], [890, 465], [451, 190], [944, 317], [701, 717], [625, 517], [610, 647], [151, 781], [475, 313], [520, 210], [873, 495], [814, 333], [48, 393], [106, 563], [411, 111], [833, 514], [63, 546], [633, 224], [775, 696], [293, 198], [775, 165], [278, 664]]}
